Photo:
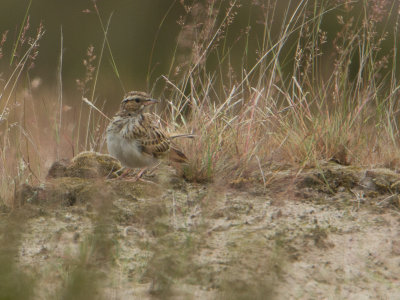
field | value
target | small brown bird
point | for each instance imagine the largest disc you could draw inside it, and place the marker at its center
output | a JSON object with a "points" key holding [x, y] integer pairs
{"points": [[136, 138]]}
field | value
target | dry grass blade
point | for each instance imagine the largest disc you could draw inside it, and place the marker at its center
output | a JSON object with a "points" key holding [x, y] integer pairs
{"points": [[93, 106]]}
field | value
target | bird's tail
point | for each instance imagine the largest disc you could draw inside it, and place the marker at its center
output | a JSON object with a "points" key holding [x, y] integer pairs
{"points": [[177, 155], [186, 135]]}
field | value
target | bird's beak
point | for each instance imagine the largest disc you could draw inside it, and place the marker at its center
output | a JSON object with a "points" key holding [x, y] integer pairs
{"points": [[150, 102]]}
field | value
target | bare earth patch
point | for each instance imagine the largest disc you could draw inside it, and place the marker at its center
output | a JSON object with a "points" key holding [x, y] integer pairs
{"points": [[327, 232]]}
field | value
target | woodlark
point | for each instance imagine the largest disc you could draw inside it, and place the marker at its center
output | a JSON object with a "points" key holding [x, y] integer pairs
{"points": [[136, 138]]}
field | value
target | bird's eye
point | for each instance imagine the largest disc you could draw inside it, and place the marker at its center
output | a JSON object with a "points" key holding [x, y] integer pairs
{"points": [[137, 100]]}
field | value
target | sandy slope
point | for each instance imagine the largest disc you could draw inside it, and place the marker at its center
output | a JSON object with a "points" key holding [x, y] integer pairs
{"points": [[299, 237]]}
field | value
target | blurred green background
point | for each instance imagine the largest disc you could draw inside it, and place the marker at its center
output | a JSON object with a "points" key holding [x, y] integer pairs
{"points": [[135, 26], [132, 31]]}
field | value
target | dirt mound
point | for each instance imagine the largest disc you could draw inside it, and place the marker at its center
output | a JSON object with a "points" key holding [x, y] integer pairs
{"points": [[85, 165], [324, 232]]}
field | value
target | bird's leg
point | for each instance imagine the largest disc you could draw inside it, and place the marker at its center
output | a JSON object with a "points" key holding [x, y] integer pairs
{"points": [[146, 169], [124, 173], [138, 176], [141, 172]]}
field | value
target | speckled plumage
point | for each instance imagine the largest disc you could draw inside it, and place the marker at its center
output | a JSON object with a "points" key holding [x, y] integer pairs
{"points": [[135, 138]]}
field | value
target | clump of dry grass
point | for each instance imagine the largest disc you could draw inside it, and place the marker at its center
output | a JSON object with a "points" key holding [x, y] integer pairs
{"points": [[306, 93], [301, 101], [16, 138]]}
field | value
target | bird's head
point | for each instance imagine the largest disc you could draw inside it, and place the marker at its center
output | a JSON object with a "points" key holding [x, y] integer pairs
{"points": [[135, 102]]}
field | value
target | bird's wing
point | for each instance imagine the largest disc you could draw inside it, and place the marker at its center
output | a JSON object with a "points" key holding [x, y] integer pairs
{"points": [[152, 138], [177, 155]]}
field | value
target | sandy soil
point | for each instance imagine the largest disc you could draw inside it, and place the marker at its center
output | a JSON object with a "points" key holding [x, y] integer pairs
{"points": [[297, 237]]}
